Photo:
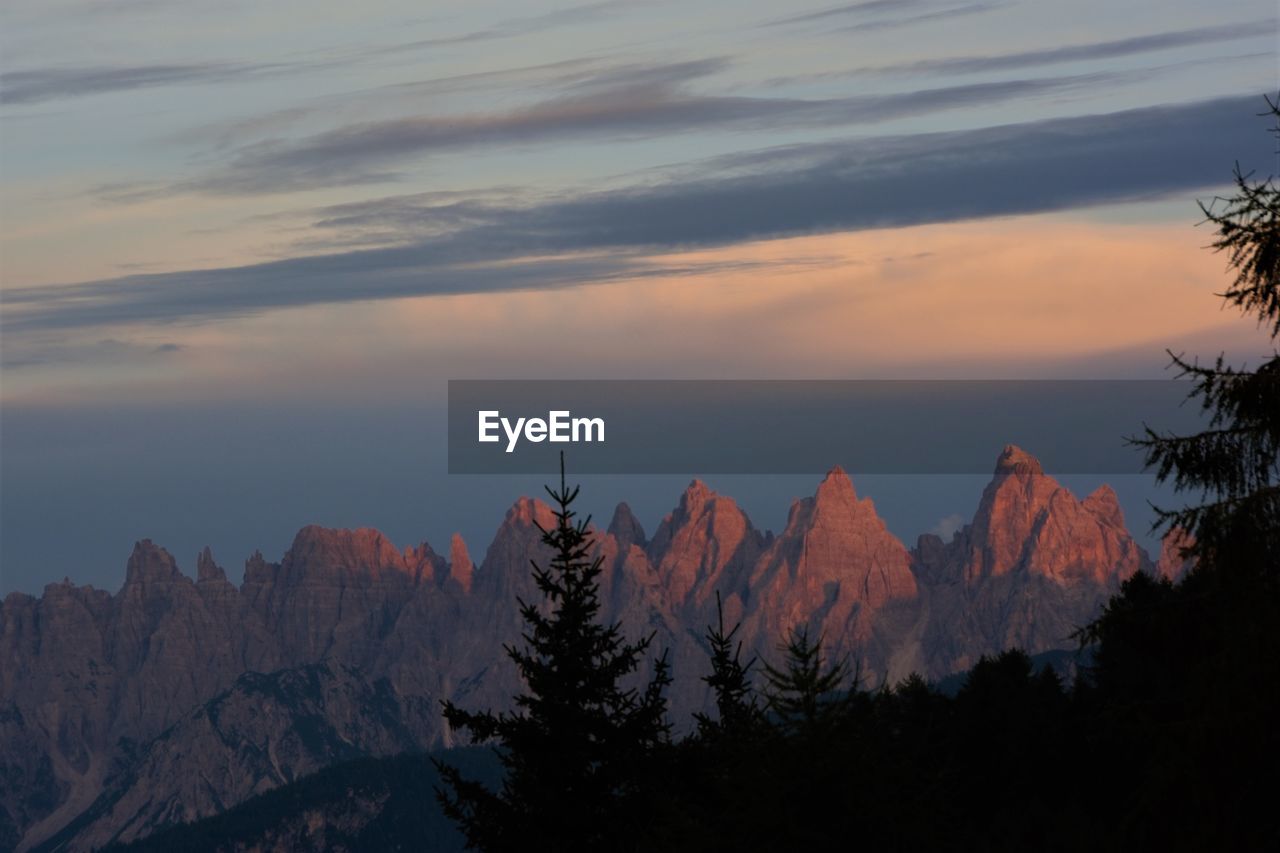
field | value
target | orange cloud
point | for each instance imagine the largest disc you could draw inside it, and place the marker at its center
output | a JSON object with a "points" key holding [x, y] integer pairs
{"points": [[1013, 297]]}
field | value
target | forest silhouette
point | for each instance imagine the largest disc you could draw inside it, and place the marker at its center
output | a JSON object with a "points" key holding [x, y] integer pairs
{"points": [[1166, 738]]}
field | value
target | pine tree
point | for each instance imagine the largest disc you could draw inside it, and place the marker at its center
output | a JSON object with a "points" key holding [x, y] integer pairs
{"points": [[1178, 691], [730, 681], [805, 694], [577, 747], [1234, 464]]}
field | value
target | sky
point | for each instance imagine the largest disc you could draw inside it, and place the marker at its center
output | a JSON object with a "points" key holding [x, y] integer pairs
{"points": [[243, 246]]}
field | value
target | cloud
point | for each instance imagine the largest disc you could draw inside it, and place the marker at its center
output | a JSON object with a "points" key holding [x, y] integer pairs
{"points": [[609, 236], [1029, 297], [236, 291], [865, 8], [850, 185], [653, 102], [564, 74], [889, 181], [97, 352], [521, 26], [46, 84], [1093, 50], [948, 526], [923, 17], [36, 85]]}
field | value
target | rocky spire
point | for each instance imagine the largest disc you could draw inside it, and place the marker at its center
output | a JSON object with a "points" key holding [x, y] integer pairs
{"points": [[1015, 460], [705, 544], [626, 528], [1027, 521], [208, 571], [460, 566], [149, 563], [835, 489], [834, 541], [1105, 504]]}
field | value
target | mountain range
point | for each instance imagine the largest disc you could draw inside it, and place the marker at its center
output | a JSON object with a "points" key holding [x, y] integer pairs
{"points": [[177, 698]]}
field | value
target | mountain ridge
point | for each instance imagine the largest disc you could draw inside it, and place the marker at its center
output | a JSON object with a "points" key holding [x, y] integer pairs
{"points": [[93, 679]]}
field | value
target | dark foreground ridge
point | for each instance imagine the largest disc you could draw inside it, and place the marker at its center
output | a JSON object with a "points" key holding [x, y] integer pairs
{"points": [[366, 804], [1012, 761]]}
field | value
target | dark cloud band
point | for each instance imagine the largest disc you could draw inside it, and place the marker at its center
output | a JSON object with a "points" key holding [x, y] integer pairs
{"points": [[838, 186]]}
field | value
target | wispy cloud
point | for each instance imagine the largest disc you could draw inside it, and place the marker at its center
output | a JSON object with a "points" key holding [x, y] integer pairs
{"points": [[561, 74], [1112, 49], [42, 353], [653, 102], [882, 14], [521, 26], [46, 84], [604, 236], [34, 85], [867, 7], [924, 17]]}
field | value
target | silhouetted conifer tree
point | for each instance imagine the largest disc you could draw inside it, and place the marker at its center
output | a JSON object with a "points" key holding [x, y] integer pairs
{"points": [[1177, 690], [576, 749], [1234, 464], [736, 707], [805, 694]]}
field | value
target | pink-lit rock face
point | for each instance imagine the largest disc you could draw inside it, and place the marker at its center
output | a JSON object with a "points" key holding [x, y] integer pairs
{"points": [[1033, 566], [1028, 523], [460, 566], [394, 631], [833, 566], [323, 553], [706, 544]]}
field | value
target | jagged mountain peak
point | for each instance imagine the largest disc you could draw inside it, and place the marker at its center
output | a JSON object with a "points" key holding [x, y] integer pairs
{"points": [[1018, 492], [626, 528], [1105, 504], [1028, 523], [328, 550], [149, 563], [460, 566], [1015, 460], [832, 567], [207, 569], [527, 511], [695, 495], [1034, 563], [834, 503], [836, 486], [256, 568], [700, 513], [706, 543], [424, 562]]}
